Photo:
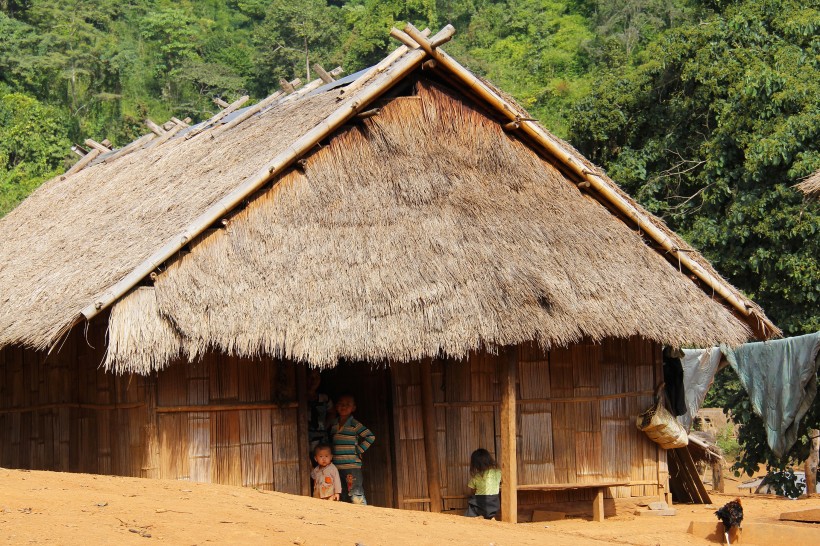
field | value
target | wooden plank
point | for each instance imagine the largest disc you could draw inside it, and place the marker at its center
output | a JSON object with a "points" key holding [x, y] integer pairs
{"points": [[571, 486], [508, 364], [430, 440]]}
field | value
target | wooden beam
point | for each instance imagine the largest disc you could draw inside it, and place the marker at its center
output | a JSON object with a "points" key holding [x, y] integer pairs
{"points": [[286, 86], [508, 370], [156, 129], [303, 417], [88, 158], [96, 145], [327, 78], [430, 436]]}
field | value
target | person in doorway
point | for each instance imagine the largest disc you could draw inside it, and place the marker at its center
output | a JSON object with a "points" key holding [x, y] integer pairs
{"points": [[327, 484], [320, 407], [485, 482], [350, 439]]}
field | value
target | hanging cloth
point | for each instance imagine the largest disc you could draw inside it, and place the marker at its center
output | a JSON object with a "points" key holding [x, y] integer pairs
{"points": [[781, 379], [699, 368]]}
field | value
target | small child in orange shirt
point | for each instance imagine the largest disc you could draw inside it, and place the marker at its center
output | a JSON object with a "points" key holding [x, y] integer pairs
{"points": [[326, 482]]}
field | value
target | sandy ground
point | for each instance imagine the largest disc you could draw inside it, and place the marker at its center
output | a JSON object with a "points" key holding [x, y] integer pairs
{"points": [[58, 508]]}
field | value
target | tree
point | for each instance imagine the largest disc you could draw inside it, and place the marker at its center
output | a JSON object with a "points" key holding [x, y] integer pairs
{"points": [[711, 131], [33, 146]]}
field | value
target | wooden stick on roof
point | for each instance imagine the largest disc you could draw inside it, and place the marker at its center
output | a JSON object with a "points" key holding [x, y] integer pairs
{"points": [[215, 119], [286, 86], [221, 103], [327, 78], [78, 166], [156, 129], [96, 145]]}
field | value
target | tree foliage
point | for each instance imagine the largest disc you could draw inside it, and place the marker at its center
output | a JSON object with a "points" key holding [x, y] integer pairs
{"points": [[710, 129]]}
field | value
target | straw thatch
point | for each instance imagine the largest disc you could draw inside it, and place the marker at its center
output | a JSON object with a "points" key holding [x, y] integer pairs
{"points": [[426, 230], [811, 185], [73, 238]]}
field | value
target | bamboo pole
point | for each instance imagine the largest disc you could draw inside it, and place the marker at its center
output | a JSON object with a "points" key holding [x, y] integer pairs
{"points": [[347, 110], [78, 166], [763, 327], [430, 436], [259, 106], [508, 364], [224, 407], [96, 145]]}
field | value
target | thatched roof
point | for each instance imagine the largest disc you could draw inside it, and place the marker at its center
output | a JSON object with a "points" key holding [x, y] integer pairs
{"points": [[811, 185], [423, 230]]}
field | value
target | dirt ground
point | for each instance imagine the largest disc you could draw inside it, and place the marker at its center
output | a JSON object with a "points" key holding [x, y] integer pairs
{"points": [[59, 508]]}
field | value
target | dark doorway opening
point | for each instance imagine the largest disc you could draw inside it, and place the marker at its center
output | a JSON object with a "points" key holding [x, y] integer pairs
{"points": [[372, 390]]}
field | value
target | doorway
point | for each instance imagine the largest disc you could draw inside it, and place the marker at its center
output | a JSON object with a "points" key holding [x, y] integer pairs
{"points": [[371, 388]]}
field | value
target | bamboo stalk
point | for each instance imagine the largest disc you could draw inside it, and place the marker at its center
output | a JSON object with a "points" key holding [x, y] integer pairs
{"points": [[61, 405], [224, 407], [259, 106], [128, 148], [339, 117], [88, 158], [218, 116], [763, 327], [327, 78], [96, 145], [156, 129]]}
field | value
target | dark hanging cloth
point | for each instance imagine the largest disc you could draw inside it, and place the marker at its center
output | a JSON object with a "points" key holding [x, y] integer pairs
{"points": [[675, 391]]}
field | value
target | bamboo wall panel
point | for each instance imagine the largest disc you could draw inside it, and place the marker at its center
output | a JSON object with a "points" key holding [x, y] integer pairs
{"points": [[411, 466]]}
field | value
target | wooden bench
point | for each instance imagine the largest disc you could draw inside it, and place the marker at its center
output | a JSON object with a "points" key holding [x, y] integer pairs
{"points": [[597, 503]]}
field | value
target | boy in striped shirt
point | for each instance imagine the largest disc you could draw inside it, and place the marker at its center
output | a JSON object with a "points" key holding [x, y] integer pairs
{"points": [[350, 440]]}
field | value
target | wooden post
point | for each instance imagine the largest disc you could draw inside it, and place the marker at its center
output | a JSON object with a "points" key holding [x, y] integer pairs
{"points": [[303, 415], [430, 440], [598, 505], [508, 362], [812, 461]]}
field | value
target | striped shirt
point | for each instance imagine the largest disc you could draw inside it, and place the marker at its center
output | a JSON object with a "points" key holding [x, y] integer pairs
{"points": [[350, 440]]}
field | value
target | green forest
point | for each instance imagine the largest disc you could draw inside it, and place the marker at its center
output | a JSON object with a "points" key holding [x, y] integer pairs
{"points": [[707, 111]]}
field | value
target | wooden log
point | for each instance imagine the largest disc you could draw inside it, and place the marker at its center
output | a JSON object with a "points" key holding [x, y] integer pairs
{"points": [[218, 116], [430, 436], [164, 138], [127, 149], [96, 145], [508, 369], [327, 78], [286, 86], [221, 103], [156, 129], [258, 107], [89, 157]]}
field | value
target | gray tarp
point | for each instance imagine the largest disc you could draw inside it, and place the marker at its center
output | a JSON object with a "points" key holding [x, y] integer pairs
{"points": [[781, 379], [699, 367]]}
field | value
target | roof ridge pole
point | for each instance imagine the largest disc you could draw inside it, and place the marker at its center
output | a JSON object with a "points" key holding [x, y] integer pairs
{"points": [[595, 180], [346, 111]]}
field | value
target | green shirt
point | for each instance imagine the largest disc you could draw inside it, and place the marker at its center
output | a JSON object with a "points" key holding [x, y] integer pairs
{"points": [[486, 483]]}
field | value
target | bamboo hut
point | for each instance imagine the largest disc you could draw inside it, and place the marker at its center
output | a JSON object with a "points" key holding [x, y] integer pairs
{"points": [[409, 230]]}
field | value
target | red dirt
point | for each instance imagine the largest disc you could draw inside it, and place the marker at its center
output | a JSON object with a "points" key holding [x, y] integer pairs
{"points": [[58, 508]]}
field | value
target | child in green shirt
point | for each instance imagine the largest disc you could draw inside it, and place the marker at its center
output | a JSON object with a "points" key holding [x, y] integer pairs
{"points": [[485, 481]]}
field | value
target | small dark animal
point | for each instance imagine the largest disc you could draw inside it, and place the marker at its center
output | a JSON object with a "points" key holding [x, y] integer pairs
{"points": [[731, 515]]}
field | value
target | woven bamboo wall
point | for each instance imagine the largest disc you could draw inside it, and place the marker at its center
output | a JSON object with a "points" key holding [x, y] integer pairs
{"points": [[64, 413], [575, 418]]}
